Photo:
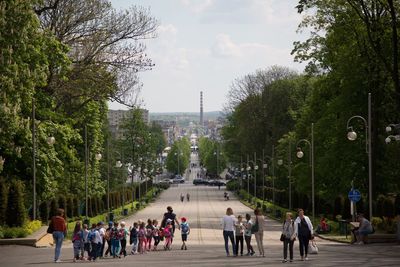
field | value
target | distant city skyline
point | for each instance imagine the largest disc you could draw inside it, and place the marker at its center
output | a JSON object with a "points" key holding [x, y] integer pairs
{"points": [[204, 45]]}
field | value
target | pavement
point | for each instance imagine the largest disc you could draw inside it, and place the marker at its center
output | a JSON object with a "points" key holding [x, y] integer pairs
{"points": [[206, 246]]}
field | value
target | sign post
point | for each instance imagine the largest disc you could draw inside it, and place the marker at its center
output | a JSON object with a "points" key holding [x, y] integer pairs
{"points": [[354, 196]]}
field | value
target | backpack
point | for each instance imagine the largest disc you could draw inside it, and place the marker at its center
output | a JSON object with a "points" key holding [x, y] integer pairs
{"points": [[149, 232], [92, 235], [185, 228]]}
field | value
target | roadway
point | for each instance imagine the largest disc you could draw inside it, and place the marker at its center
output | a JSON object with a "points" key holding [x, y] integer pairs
{"points": [[205, 247]]}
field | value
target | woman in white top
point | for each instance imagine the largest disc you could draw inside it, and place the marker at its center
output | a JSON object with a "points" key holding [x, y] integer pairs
{"points": [[228, 226], [259, 235], [303, 229]]}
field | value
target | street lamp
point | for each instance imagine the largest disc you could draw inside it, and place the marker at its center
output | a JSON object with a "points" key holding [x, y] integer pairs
{"points": [[178, 154], [352, 136], [300, 154], [389, 129], [217, 153]]}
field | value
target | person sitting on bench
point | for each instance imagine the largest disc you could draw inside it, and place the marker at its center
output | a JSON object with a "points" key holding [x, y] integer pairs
{"points": [[363, 230], [323, 227]]}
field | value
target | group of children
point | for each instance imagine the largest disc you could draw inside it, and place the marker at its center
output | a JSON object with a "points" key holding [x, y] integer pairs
{"points": [[89, 244], [243, 233]]}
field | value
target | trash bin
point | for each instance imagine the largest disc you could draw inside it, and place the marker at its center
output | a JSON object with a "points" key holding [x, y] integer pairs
{"points": [[111, 216], [343, 227], [278, 214], [125, 212]]}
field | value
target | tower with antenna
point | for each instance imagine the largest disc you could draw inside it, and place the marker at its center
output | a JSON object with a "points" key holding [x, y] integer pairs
{"points": [[201, 109]]}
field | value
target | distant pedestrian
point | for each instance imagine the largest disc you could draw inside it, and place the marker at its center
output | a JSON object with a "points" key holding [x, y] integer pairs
{"points": [[59, 230], [168, 233], [185, 231], [182, 197], [115, 240], [259, 232], [188, 197], [289, 236], [123, 233], [76, 240], [102, 232], [304, 231], [149, 234], [247, 235], [228, 226], [142, 237], [172, 216], [107, 237], [86, 247], [133, 238], [239, 229], [156, 234]]}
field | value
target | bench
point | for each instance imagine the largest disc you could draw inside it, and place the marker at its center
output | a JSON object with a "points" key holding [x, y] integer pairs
{"points": [[381, 238]]}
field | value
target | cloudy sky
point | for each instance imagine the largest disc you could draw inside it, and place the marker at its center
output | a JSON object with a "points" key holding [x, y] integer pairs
{"points": [[203, 45]]}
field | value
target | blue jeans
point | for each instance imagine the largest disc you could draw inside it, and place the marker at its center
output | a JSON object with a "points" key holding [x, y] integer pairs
{"points": [[115, 247], [58, 239], [229, 235]]}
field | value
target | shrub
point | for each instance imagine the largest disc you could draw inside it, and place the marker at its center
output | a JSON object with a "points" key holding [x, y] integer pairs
{"points": [[1, 232], [33, 226], [15, 232], [377, 222], [16, 214], [3, 201]]}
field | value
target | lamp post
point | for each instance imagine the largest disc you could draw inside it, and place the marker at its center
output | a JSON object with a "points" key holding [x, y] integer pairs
{"points": [[217, 154], [50, 140], [290, 174], [352, 135], [97, 157], [389, 129], [248, 168], [255, 168], [300, 154], [178, 154]]}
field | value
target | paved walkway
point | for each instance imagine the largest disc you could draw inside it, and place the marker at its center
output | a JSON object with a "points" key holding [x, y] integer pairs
{"points": [[205, 246]]}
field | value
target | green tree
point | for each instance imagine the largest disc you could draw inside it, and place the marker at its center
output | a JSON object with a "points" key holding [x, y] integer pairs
{"points": [[16, 214]]}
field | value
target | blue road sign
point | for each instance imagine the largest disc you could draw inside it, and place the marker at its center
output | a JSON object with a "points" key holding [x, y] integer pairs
{"points": [[354, 195]]}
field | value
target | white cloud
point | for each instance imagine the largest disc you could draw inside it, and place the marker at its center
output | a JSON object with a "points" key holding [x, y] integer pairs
{"points": [[225, 47]]}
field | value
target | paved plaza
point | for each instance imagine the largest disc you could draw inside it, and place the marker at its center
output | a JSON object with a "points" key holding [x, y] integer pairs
{"points": [[205, 246]]}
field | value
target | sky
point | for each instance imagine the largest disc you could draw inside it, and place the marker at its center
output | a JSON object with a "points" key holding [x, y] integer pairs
{"points": [[204, 45]]}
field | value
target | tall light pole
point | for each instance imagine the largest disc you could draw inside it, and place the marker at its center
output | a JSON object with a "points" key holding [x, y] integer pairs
{"points": [[352, 135], [98, 157], [290, 174], [248, 168], [217, 154], [50, 140], [300, 154]]}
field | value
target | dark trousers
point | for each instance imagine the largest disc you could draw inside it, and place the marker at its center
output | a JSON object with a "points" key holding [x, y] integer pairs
{"points": [[108, 251], [102, 248], [156, 240], [95, 251], [303, 242], [287, 242], [239, 240], [248, 244], [229, 235], [123, 247]]}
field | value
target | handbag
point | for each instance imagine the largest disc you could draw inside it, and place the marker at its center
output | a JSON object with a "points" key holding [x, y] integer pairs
{"points": [[50, 229], [283, 237], [312, 248], [255, 228]]}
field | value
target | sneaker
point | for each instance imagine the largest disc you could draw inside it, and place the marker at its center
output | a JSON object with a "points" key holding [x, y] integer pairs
{"points": [[302, 258], [58, 261], [251, 254], [306, 258], [284, 260], [185, 247]]}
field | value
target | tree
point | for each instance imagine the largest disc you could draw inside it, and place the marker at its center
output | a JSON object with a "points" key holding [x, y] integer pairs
{"points": [[16, 214], [179, 156]]}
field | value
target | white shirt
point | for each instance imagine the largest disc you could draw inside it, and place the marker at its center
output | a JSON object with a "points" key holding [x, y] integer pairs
{"points": [[102, 232], [297, 222], [98, 239], [228, 223]]}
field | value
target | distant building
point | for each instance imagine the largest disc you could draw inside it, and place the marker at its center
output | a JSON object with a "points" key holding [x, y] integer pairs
{"points": [[169, 129], [116, 117]]}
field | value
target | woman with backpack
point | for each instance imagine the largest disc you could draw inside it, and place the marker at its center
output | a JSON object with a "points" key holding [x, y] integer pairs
{"points": [[288, 237]]}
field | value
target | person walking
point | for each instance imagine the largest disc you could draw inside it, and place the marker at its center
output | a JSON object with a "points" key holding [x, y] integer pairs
{"points": [[171, 216], [247, 235], [239, 229], [76, 240], [304, 231], [228, 226], [258, 231], [288, 237], [59, 230], [107, 237], [185, 231], [123, 233]]}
